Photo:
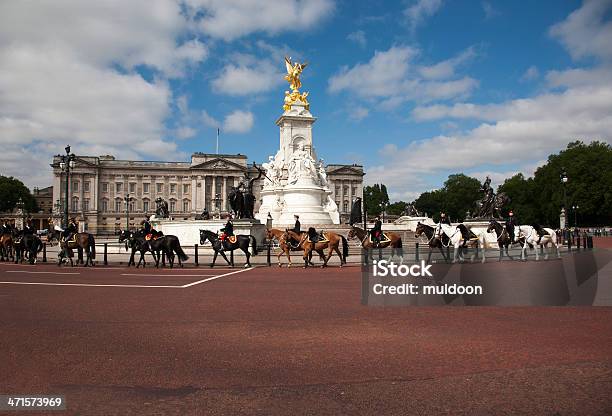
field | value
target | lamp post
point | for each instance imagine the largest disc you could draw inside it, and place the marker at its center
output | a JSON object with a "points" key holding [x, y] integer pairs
{"points": [[128, 199], [564, 179], [383, 206], [217, 200], [66, 165], [575, 208], [20, 212]]}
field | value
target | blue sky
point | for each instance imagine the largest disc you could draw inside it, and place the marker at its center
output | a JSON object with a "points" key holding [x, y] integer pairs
{"points": [[413, 90]]}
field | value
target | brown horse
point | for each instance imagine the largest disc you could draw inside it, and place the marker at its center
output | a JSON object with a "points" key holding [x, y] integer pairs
{"points": [[84, 241], [393, 241], [285, 246], [332, 243], [6, 248]]}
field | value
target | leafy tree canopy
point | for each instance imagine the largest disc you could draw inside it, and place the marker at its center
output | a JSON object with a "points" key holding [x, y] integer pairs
{"points": [[11, 190]]}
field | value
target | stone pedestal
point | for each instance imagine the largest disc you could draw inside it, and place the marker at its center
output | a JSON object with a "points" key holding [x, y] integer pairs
{"points": [[562, 219]]}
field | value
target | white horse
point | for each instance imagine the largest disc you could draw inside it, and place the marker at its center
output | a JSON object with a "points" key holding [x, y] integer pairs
{"points": [[531, 239], [454, 234]]}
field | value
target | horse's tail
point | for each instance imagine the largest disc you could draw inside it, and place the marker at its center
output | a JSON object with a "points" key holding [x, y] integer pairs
{"points": [[252, 237], [400, 246], [91, 241], [180, 252], [345, 248]]}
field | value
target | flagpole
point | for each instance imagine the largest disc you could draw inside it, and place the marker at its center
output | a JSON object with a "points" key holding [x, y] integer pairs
{"points": [[217, 140]]}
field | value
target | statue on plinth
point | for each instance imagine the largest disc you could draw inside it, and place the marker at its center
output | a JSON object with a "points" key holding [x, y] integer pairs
{"points": [[294, 71], [241, 198], [490, 205], [161, 210]]}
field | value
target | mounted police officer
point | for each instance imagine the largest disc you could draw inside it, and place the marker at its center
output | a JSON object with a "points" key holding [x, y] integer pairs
{"points": [[376, 231], [146, 227], [510, 224], [28, 227]]}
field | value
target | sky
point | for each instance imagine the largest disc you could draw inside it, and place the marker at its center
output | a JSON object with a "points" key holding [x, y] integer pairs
{"points": [[413, 90]]}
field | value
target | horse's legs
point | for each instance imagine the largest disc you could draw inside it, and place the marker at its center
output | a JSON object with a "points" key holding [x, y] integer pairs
{"points": [[214, 259], [248, 257], [455, 254], [225, 258], [337, 250]]}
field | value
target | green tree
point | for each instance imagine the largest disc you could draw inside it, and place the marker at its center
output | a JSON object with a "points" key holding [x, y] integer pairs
{"points": [[397, 208], [11, 190], [375, 196], [521, 192], [456, 197]]}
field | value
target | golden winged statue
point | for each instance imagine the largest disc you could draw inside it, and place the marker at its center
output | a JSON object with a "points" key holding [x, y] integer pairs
{"points": [[294, 71]]}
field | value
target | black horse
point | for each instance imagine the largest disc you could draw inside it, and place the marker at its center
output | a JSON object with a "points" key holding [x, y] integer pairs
{"points": [[242, 243], [236, 201], [169, 245], [433, 241], [27, 246], [136, 242], [504, 241]]}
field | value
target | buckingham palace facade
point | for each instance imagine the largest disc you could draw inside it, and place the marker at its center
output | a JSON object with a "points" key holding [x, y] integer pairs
{"points": [[99, 186]]}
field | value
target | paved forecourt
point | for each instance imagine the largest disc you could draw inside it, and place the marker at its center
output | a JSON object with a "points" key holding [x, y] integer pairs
{"points": [[118, 340]]}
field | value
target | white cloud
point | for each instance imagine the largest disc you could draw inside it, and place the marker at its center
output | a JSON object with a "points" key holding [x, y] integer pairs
{"points": [[232, 19], [238, 122], [209, 120], [421, 10], [359, 113], [246, 79], [358, 37], [68, 75], [530, 74], [391, 78], [489, 11], [585, 33]]}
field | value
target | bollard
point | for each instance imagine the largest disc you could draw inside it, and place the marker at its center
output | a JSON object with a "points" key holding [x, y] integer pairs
{"points": [[44, 260], [569, 243], [416, 253], [195, 255], [106, 254], [232, 258], [578, 242], [590, 242], [268, 255], [584, 241]]}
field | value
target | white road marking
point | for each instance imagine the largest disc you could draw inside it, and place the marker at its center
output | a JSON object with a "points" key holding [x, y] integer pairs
{"points": [[88, 284], [216, 277], [167, 275], [35, 272]]}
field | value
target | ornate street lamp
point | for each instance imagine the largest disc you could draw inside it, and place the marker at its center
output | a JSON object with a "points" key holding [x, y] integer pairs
{"points": [[575, 208], [66, 165], [128, 200], [218, 200]]}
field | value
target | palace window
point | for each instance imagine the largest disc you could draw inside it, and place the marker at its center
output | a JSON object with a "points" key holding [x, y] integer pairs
{"points": [[104, 186], [132, 188], [185, 206], [185, 189], [75, 204], [145, 206], [172, 205], [337, 190], [172, 188], [118, 187], [105, 205], [86, 204], [145, 188], [86, 186], [75, 186], [345, 189], [345, 206], [118, 205], [160, 187]]}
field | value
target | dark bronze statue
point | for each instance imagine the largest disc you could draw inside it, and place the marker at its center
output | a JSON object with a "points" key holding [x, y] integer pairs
{"points": [[161, 210], [241, 198], [490, 205]]}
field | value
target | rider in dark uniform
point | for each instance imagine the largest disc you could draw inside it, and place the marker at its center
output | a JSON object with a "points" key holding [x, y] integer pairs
{"points": [[510, 224], [444, 219], [146, 227], [376, 231], [6, 228], [71, 229], [540, 230], [296, 229], [228, 230], [28, 227]]}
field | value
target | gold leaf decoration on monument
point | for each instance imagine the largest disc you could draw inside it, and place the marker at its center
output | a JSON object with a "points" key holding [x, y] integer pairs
{"points": [[294, 71]]}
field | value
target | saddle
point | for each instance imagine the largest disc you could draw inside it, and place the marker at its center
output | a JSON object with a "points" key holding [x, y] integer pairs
{"points": [[229, 238], [319, 238], [384, 238], [151, 236]]}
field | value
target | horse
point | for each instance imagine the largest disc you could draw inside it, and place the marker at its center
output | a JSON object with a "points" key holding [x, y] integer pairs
{"points": [[433, 241], [285, 246], [6, 247], [84, 241], [169, 245], [531, 238], [136, 243], [458, 237], [504, 240], [332, 244], [236, 201], [27, 246], [242, 242], [394, 241]]}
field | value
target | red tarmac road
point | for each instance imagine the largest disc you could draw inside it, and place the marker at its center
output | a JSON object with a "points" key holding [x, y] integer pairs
{"points": [[276, 341]]}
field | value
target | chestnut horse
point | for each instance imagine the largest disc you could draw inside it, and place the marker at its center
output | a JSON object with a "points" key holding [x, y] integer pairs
{"points": [[6, 247], [332, 244], [394, 241], [285, 246], [83, 241]]}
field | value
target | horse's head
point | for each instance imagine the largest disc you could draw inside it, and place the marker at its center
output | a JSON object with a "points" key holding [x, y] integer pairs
{"points": [[351, 233], [492, 226], [420, 229]]}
